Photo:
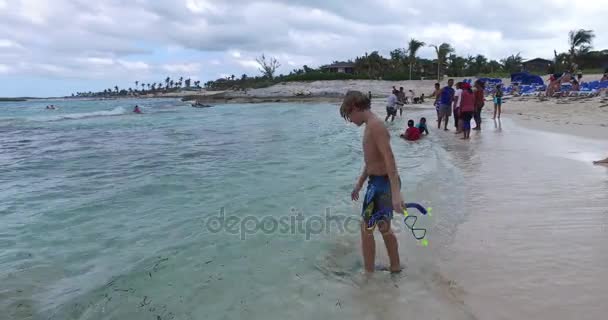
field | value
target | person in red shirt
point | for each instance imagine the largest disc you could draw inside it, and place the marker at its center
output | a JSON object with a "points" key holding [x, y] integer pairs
{"points": [[467, 108], [412, 133]]}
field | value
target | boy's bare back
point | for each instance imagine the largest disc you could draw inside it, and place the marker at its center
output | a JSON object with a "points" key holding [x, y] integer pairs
{"points": [[374, 131]]}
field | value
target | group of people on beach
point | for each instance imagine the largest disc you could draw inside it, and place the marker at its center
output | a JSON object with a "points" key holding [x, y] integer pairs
{"points": [[466, 103]]}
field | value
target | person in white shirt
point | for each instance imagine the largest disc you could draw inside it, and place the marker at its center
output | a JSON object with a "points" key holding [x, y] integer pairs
{"points": [[411, 96], [456, 107], [391, 106]]}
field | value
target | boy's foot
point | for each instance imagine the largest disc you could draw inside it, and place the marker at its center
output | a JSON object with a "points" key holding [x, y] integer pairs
{"points": [[477, 128], [446, 129]]}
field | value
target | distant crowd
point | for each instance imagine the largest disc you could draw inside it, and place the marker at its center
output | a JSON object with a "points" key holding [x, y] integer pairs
{"points": [[465, 103]]}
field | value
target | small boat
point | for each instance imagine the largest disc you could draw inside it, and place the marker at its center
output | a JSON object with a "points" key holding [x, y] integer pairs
{"points": [[201, 105]]}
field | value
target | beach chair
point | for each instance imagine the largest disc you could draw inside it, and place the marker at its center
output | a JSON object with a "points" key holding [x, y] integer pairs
{"points": [[587, 90]]}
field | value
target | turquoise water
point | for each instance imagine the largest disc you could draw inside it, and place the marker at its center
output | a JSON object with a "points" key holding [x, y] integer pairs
{"points": [[105, 214]]}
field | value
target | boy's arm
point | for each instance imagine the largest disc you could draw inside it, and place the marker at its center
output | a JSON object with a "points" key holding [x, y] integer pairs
{"points": [[382, 139], [362, 178]]}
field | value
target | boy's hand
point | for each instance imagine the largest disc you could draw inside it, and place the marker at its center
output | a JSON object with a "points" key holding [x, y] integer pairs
{"points": [[397, 202], [355, 194]]}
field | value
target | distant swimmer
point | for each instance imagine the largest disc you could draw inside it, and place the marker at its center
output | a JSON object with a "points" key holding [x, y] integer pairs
{"points": [[605, 161], [51, 107], [137, 110]]}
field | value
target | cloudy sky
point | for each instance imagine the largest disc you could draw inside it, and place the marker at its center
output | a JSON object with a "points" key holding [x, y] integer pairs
{"points": [[56, 47]]}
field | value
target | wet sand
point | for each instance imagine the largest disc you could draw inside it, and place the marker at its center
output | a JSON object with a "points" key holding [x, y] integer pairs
{"points": [[534, 243]]}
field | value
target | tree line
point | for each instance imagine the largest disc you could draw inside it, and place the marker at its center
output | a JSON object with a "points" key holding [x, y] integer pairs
{"points": [[168, 85], [404, 64], [401, 64]]}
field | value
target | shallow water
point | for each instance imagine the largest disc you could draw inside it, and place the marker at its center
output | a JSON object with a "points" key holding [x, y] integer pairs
{"points": [[109, 215]]}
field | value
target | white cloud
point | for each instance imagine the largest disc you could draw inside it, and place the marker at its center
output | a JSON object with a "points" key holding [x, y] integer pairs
{"points": [[188, 68], [134, 65], [117, 39], [249, 64], [235, 53], [7, 44], [99, 61], [4, 69]]}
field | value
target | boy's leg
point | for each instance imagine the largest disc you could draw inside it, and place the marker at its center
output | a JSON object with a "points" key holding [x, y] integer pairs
{"points": [[447, 120], [392, 246], [368, 245], [495, 109], [499, 110]]}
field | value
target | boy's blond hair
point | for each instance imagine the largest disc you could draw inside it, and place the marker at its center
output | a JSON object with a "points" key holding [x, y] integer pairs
{"points": [[354, 100]]}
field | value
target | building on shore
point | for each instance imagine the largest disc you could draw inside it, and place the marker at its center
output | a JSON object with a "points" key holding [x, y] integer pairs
{"points": [[538, 65], [340, 67]]}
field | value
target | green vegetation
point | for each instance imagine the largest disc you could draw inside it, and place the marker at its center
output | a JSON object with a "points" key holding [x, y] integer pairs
{"points": [[13, 99], [170, 85], [402, 64]]}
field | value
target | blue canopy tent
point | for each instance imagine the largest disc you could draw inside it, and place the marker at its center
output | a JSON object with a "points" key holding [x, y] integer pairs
{"points": [[526, 79]]}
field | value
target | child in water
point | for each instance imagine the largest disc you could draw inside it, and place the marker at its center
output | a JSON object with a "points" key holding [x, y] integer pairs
{"points": [[383, 193], [422, 126], [412, 133]]}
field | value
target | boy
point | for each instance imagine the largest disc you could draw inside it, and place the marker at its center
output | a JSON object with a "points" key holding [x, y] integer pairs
{"points": [[412, 133], [422, 126], [383, 188]]}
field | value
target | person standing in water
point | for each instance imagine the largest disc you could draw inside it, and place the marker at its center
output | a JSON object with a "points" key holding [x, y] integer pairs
{"points": [[383, 193], [437, 95], [479, 103], [391, 106], [446, 97], [456, 107], [497, 101], [467, 108], [402, 100]]}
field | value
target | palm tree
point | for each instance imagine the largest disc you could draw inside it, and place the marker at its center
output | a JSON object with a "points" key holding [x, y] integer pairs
{"points": [[512, 63], [412, 48], [580, 43], [171, 83], [116, 88], [167, 81], [149, 86], [143, 87], [136, 84], [442, 51]]}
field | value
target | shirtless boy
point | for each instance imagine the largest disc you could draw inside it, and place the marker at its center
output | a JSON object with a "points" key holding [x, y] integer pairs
{"points": [[383, 187]]}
